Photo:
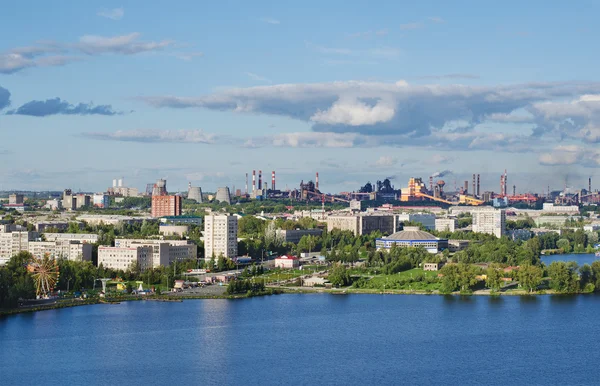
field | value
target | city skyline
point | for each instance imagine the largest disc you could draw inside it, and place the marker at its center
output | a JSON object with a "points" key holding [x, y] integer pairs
{"points": [[357, 92]]}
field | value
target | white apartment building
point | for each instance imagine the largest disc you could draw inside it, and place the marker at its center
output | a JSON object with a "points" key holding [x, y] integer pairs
{"points": [[446, 224], [149, 253], [62, 249], [90, 238], [220, 236], [489, 220], [11, 243]]}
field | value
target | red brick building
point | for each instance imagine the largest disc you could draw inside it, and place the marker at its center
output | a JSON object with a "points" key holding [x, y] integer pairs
{"points": [[166, 206]]}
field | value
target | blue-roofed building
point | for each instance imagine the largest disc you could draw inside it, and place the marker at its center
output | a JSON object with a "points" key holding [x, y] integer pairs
{"points": [[412, 237], [195, 220]]}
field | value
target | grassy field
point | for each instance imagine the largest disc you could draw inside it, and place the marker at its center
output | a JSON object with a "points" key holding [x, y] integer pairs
{"points": [[286, 274], [413, 279]]}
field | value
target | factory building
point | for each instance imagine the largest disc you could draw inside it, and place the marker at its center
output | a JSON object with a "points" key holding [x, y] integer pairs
{"points": [[220, 236], [223, 195], [551, 208], [446, 224], [194, 193], [489, 220], [412, 237], [294, 235], [119, 189]]}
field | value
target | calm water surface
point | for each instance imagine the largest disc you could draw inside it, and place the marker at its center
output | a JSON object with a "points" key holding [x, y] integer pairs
{"points": [[581, 259], [307, 340]]}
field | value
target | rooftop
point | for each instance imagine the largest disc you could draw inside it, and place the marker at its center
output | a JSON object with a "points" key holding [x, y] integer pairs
{"points": [[411, 233]]}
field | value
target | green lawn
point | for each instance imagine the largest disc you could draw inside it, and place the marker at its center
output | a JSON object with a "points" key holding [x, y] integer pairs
{"points": [[413, 279]]}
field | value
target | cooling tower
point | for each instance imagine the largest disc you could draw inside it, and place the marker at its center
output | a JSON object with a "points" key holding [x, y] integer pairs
{"points": [[195, 193], [223, 195]]}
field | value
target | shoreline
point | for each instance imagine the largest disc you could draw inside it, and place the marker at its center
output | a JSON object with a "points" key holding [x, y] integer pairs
{"points": [[283, 291]]}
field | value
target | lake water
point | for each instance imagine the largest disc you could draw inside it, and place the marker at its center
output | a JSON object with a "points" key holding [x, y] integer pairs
{"points": [[581, 259], [308, 340]]}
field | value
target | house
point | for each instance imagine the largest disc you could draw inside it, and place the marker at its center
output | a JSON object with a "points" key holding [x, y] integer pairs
{"points": [[287, 262], [432, 266]]}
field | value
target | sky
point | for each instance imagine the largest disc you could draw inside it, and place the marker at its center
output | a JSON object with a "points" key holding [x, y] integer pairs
{"points": [[204, 92]]}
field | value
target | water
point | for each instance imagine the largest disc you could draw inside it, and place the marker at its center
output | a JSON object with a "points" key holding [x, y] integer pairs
{"points": [[308, 340], [580, 259]]}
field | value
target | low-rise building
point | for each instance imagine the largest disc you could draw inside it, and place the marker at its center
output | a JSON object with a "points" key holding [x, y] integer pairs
{"points": [[42, 226], [62, 249], [446, 224], [287, 262], [457, 245], [555, 221], [98, 219], [173, 230], [412, 237], [567, 209], [294, 235], [432, 266], [315, 281], [519, 234], [89, 238], [187, 220]]}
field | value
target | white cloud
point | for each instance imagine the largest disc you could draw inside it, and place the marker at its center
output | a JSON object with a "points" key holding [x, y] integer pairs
{"points": [[270, 20], [47, 54], [386, 161], [353, 112], [410, 26], [436, 19], [164, 136], [258, 77], [113, 14]]}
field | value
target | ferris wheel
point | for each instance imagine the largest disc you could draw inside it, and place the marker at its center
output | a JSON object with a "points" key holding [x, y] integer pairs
{"points": [[45, 274]]}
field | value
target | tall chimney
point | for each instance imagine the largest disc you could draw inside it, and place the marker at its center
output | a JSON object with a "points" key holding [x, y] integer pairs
{"points": [[253, 180], [590, 185], [260, 179], [474, 185], [466, 188], [478, 187], [514, 190], [273, 180], [246, 183], [317, 182], [501, 184], [431, 183]]}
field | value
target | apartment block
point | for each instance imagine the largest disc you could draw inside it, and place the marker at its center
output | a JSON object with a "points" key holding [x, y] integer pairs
{"points": [[294, 235], [426, 219], [89, 238], [446, 224], [62, 249], [363, 224], [220, 236], [166, 206], [13, 242], [148, 253], [489, 220]]}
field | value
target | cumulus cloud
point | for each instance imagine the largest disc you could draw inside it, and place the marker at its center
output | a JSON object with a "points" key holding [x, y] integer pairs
{"points": [[308, 139], [386, 161], [113, 14], [175, 136], [50, 54], [4, 98], [58, 106], [571, 155]]}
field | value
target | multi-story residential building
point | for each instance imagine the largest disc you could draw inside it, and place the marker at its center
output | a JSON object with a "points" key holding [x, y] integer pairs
{"points": [[15, 199], [220, 236], [364, 223], [195, 220], [86, 238], [42, 226], [294, 235], [148, 253], [62, 249], [101, 200], [489, 220], [426, 219], [446, 224], [166, 206], [13, 240], [97, 219]]}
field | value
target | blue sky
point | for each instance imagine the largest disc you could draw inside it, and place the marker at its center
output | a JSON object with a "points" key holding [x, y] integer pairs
{"points": [[356, 90]]}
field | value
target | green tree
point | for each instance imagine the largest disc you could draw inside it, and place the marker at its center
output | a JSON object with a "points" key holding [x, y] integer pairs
{"points": [[494, 277], [339, 275], [564, 244], [563, 278], [530, 276]]}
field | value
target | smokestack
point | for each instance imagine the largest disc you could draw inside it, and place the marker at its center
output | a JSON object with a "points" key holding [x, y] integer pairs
{"points": [[253, 180], [590, 185], [501, 184], [114, 183], [466, 188], [514, 190], [273, 180], [505, 183], [478, 193], [474, 185], [246, 183], [317, 182], [260, 179], [120, 182], [431, 183]]}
